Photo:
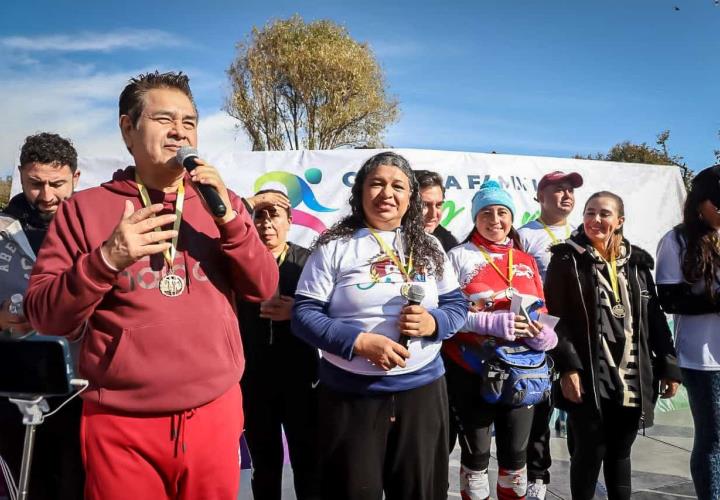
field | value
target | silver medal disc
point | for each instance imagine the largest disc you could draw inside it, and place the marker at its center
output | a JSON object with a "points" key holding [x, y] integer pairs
{"points": [[172, 285], [618, 310]]}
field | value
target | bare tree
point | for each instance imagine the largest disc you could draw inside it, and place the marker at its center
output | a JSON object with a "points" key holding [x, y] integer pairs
{"points": [[298, 85], [629, 152]]}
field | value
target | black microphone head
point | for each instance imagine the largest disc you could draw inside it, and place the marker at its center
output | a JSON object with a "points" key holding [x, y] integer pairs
{"points": [[186, 157], [415, 294], [184, 154]]}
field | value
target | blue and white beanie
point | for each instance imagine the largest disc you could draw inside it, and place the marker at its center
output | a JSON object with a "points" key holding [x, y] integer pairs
{"points": [[491, 193]]}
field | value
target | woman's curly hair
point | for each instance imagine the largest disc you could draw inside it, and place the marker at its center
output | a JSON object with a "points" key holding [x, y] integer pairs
{"points": [[702, 255], [426, 253]]}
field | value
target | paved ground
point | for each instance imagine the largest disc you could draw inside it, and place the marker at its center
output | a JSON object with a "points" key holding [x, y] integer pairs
{"points": [[660, 464]]}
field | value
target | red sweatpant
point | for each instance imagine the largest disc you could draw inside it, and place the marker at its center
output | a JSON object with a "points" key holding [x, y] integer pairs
{"points": [[186, 455]]}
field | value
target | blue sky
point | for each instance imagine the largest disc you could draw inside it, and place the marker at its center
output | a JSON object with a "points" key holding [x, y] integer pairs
{"points": [[549, 78]]}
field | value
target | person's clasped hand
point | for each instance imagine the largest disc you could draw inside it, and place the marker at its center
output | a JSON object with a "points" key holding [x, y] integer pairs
{"points": [[416, 321], [16, 324], [380, 350], [278, 308], [668, 388], [571, 387]]}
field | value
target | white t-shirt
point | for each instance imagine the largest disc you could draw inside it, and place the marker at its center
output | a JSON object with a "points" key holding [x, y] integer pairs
{"points": [[537, 242], [697, 337], [363, 288]]}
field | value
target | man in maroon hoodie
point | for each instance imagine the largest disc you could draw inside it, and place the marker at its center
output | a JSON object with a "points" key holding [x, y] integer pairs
{"points": [[148, 276]]}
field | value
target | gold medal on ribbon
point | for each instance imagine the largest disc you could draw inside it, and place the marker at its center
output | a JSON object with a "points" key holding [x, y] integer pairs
{"points": [[171, 285], [509, 291], [404, 269], [618, 310]]}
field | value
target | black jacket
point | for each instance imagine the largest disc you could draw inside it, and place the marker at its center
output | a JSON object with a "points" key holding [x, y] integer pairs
{"points": [[271, 350], [34, 225], [571, 291], [447, 240]]}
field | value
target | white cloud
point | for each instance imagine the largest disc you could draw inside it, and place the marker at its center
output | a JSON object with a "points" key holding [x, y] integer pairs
{"points": [[84, 108], [80, 107], [79, 100], [218, 133], [94, 42]]}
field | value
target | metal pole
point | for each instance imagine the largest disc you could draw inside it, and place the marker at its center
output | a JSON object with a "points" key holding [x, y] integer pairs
{"points": [[32, 411], [26, 461]]}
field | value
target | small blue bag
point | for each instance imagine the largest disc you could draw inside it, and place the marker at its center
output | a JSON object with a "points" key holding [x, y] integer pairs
{"points": [[512, 373]]}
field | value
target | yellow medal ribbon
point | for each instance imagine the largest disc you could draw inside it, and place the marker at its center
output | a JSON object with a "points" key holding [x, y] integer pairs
{"points": [[179, 201], [614, 280], [554, 239], [391, 253], [618, 310], [283, 255], [510, 271]]}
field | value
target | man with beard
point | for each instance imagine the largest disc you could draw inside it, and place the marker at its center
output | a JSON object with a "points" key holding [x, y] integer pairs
{"points": [[556, 196], [48, 174]]}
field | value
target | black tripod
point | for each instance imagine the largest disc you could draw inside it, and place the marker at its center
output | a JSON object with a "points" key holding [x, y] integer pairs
{"points": [[30, 370]]}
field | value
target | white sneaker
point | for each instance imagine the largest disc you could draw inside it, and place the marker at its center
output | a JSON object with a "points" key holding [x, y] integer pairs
{"points": [[474, 484], [536, 490]]}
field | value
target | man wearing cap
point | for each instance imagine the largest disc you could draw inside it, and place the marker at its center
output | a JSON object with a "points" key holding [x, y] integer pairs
{"points": [[556, 196]]}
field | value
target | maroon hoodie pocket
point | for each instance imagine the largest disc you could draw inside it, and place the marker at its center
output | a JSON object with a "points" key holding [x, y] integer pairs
{"points": [[185, 359]]}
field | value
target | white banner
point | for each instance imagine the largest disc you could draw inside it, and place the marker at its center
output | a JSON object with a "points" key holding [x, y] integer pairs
{"points": [[318, 183]]}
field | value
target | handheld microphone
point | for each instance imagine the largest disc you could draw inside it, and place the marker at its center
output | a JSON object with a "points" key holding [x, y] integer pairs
{"points": [[414, 295], [186, 157]]}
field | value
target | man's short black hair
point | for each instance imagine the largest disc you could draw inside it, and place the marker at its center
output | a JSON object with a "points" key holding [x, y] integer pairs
{"points": [[48, 148], [284, 195], [132, 101], [428, 178]]}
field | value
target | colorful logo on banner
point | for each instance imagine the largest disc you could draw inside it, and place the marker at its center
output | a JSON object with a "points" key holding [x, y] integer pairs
{"points": [[299, 191]]}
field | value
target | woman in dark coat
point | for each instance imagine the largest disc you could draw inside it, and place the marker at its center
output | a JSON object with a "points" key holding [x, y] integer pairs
{"points": [[688, 276], [615, 351]]}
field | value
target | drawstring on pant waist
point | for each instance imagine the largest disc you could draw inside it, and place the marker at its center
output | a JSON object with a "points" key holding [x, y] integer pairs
{"points": [[177, 429]]}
